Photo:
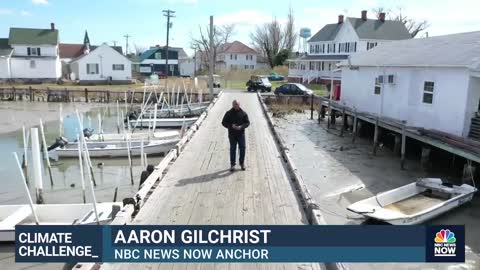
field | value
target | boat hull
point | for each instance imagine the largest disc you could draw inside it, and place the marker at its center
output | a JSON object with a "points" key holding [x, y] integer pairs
{"points": [[105, 149], [414, 203], [164, 122]]}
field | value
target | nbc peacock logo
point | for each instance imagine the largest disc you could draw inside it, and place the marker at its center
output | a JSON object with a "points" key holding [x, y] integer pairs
{"points": [[445, 243]]}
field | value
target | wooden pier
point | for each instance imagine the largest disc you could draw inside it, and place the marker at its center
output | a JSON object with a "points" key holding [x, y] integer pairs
{"points": [[199, 188]]}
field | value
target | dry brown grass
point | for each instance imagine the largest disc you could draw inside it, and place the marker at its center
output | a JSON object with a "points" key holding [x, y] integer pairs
{"points": [[284, 106]]}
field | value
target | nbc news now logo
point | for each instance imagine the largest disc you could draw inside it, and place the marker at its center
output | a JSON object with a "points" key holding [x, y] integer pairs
{"points": [[445, 244]]}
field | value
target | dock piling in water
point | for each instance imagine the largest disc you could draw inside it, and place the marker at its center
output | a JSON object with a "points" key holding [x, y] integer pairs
{"points": [[45, 152], [37, 165]]}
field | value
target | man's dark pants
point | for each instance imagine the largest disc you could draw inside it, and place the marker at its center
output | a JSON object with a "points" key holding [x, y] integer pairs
{"points": [[234, 140]]}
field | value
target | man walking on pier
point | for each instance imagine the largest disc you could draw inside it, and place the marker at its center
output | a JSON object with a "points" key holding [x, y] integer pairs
{"points": [[236, 121]]}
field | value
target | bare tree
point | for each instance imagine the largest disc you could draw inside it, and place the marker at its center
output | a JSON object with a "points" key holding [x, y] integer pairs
{"points": [[413, 26], [221, 36], [290, 36], [139, 49], [271, 39]]}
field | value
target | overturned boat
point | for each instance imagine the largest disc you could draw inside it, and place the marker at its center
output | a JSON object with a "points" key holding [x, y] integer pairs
{"points": [[98, 149], [414, 203], [53, 214]]}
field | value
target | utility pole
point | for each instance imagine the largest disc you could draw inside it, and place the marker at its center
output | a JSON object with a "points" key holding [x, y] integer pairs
{"points": [[169, 14], [127, 36], [210, 68]]}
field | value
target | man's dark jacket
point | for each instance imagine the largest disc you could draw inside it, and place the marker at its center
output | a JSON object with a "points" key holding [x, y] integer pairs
{"points": [[239, 118]]}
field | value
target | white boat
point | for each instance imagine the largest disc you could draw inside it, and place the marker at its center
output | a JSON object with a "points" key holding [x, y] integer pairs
{"points": [[53, 214], [175, 112], [164, 122], [414, 203], [159, 135], [115, 148]]}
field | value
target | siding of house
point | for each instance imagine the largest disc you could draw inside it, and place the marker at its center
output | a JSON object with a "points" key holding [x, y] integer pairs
{"points": [[4, 68], [240, 62], [105, 57], [45, 50], [402, 101], [43, 68]]}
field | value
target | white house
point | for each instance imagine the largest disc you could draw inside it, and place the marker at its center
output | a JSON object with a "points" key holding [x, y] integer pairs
{"points": [[236, 55], [335, 42], [432, 83], [33, 55], [102, 64]]}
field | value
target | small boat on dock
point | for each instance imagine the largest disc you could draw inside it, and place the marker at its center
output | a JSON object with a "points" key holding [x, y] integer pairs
{"points": [[175, 112], [53, 214], [164, 122], [101, 149], [159, 135], [414, 203]]}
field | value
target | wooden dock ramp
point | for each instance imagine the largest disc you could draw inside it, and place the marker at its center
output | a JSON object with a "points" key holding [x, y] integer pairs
{"points": [[199, 189]]}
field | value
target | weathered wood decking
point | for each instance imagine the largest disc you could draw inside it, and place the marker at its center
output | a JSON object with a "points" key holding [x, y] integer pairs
{"points": [[199, 188]]}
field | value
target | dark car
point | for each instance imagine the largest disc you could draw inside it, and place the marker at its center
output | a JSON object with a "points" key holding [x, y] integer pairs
{"points": [[161, 75], [259, 83], [275, 77], [293, 89]]}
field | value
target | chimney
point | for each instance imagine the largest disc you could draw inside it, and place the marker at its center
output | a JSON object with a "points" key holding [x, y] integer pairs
{"points": [[340, 19], [52, 26], [381, 16], [364, 15]]}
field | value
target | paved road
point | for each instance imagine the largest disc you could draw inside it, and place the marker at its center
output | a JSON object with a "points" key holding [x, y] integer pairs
{"points": [[199, 189]]}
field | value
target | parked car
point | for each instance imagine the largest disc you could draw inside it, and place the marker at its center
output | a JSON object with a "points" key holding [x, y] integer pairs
{"points": [[257, 83], [160, 75], [275, 77], [293, 89]]}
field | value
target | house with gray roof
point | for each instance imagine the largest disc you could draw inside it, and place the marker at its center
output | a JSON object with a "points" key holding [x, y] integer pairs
{"points": [[432, 83], [337, 41], [30, 54]]}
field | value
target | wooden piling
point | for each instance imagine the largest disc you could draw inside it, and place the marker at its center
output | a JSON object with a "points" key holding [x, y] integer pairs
{"points": [[311, 106], [404, 141], [86, 95], [355, 126], [344, 122], [375, 138]]}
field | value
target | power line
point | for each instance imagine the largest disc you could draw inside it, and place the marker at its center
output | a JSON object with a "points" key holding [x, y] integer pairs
{"points": [[169, 14], [127, 36]]}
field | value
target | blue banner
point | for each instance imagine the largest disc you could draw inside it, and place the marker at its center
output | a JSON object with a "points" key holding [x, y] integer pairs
{"points": [[246, 243]]}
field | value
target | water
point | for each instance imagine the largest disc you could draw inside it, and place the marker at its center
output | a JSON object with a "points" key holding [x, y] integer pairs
{"points": [[109, 172]]}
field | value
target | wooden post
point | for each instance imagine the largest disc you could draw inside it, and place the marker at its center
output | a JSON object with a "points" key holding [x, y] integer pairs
{"points": [[32, 97], [30, 202], [108, 96], [404, 142], [344, 122], [14, 93], [86, 95], [355, 126], [398, 144], [311, 107], [425, 158], [37, 165], [45, 152], [375, 138], [25, 157]]}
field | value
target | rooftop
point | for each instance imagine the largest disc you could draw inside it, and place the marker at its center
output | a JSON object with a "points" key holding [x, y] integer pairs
{"points": [[457, 50], [30, 36]]}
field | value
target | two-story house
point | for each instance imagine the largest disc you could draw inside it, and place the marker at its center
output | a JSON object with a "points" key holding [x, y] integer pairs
{"points": [[154, 60], [235, 56], [33, 55], [335, 42]]}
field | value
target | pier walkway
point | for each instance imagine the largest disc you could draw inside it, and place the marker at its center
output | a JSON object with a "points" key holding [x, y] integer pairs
{"points": [[199, 188]]}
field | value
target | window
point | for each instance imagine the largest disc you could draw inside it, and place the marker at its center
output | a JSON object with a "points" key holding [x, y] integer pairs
{"points": [[312, 65], [317, 48], [323, 48], [33, 64], [378, 85], [428, 92], [311, 49], [323, 65], [355, 46], [371, 45], [158, 55], [118, 67], [92, 68], [235, 57], [391, 79], [252, 67], [318, 66], [329, 66], [33, 51], [334, 47], [231, 56]]}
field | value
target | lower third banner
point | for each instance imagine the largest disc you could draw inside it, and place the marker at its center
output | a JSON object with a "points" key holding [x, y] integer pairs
{"points": [[240, 243]]}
